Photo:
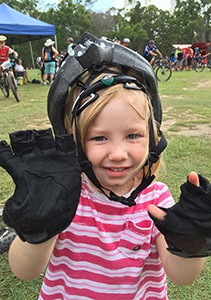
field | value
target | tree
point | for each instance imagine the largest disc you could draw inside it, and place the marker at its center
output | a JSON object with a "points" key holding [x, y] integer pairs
{"points": [[206, 12], [70, 19], [154, 24], [28, 7], [187, 17], [102, 24]]}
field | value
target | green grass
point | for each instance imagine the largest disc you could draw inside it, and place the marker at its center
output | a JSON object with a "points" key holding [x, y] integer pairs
{"points": [[185, 98]]}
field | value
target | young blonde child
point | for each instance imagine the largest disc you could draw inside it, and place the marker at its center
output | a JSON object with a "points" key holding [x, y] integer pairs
{"points": [[111, 246]]}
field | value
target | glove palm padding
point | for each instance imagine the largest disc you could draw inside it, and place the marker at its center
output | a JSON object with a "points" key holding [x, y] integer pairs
{"points": [[48, 183], [187, 225]]}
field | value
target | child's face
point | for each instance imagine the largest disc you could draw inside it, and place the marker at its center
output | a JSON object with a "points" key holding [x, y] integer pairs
{"points": [[116, 144], [2, 44]]}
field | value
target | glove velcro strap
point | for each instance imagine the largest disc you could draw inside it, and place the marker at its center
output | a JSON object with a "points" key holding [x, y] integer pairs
{"points": [[206, 251]]}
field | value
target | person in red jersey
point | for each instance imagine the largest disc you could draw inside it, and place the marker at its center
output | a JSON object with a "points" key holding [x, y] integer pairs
{"points": [[5, 51]]}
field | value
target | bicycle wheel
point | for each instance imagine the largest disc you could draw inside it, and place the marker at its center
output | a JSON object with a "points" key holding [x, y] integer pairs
{"points": [[200, 67], [4, 86], [7, 235], [163, 73], [13, 87], [183, 66]]}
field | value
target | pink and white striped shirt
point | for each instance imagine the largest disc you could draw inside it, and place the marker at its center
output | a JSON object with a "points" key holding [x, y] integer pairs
{"points": [[108, 250]]}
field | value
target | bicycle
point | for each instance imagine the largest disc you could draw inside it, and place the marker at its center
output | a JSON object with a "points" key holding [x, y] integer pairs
{"points": [[199, 65], [7, 80], [184, 65], [7, 235], [162, 69]]}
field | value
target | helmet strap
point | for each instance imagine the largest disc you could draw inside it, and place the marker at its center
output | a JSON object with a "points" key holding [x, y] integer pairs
{"points": [[154, 150]]}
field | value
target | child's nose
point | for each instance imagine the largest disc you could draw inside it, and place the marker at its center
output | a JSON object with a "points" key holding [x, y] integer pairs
{"points": [[118, 153]]}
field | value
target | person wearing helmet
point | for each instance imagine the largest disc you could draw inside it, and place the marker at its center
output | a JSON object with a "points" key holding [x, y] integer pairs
{"points": [[126, 42], [149, 54], [5, 51], [105, 97], [117, 40], [197, 54]]}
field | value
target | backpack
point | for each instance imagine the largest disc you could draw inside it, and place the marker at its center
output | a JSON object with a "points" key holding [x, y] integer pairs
{"points": [[48, 51], [36, 81]]}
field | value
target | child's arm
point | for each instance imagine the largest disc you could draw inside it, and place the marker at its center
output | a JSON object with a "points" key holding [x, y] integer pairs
{"points": [[28, 261]]}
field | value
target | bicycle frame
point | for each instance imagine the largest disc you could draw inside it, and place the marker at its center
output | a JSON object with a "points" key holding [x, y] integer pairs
{"points": [[10, 79], [162, 69]]}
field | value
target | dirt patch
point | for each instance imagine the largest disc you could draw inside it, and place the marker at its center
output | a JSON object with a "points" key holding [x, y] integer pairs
{"points": [[197, 130], [200, 85], [192, 129], [38, 124]]}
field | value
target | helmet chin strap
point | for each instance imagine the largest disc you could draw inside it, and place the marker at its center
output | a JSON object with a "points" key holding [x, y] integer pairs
{"points": [[154, 150]]}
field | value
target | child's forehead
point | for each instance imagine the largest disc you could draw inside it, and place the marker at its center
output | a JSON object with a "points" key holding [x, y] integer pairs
{"points": [[137, 103], [120, 111], [136, 100]]}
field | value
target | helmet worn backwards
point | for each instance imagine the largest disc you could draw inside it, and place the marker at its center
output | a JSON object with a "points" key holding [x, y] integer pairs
{"points": [[90, 52], [93, 54]]}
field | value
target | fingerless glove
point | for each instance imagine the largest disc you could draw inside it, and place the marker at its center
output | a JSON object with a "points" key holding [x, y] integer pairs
{"points": [[48, 183], [187, 225]]}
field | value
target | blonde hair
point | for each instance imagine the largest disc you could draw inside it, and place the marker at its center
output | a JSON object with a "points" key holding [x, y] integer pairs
{"points": [[87, 116]]}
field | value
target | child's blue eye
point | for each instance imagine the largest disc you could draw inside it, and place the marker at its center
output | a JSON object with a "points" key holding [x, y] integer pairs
{"points": [[133, 136]]}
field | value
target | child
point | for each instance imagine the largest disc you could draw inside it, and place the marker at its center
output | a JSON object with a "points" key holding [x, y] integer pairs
{"points": [[111, 247], [5, 51]]}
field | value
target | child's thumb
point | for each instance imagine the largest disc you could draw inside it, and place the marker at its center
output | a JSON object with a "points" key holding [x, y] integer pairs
{"points": [[156, 212]]}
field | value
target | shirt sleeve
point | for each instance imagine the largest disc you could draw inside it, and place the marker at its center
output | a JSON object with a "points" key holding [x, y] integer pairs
{"points": [[10, 51]]}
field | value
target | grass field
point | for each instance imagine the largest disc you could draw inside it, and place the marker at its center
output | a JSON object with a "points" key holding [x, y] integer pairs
{"points": [[186, 101]]}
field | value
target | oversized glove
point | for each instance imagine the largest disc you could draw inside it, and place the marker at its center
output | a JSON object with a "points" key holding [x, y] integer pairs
{"points": [[187, 225], [48, 183]]}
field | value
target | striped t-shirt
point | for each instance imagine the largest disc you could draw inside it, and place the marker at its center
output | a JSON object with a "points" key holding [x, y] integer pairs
{"points": [[109, 250]]}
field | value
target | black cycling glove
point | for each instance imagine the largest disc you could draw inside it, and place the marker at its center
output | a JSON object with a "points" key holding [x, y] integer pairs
{"points": [[48, 183], [187, 225]]}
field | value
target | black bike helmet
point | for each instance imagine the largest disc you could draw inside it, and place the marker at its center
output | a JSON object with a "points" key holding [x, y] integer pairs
{"points": [[151, 42], [91, 53]]}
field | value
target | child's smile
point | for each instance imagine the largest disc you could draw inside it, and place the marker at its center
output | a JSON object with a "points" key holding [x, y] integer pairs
{"points": [[116, 143]]}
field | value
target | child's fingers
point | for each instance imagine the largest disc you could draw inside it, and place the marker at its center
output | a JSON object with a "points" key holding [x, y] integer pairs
{"points": [[156, 212], [193, 178]]}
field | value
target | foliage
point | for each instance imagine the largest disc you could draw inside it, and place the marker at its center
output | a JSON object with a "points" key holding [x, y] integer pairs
{"points": [[28, 7], [70, 19], [190, 22], [103, 24], [187, 15]]}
